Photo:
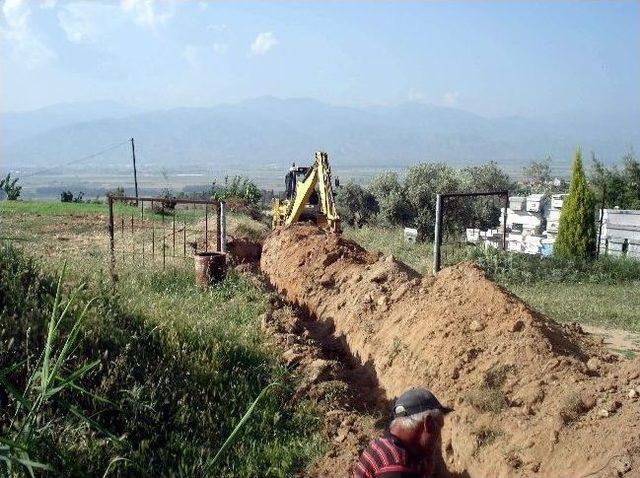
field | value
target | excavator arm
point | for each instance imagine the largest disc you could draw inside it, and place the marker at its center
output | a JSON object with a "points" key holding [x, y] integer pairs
{"points": [[318, 178]]}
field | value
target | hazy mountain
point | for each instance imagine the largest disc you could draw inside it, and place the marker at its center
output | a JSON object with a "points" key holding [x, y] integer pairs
{"points": [[269, 131]]}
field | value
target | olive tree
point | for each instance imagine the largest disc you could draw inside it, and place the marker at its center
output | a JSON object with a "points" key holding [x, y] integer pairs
{"points": [[356, 206]]}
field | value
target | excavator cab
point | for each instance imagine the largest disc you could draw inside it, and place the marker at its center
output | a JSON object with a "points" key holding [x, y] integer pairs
{"points": [[308, 196]]}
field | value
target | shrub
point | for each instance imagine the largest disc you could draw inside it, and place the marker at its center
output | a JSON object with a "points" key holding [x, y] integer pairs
{"points": [[577, 226], [239, 187], [67, 196], [117, 192], [10, 187]]}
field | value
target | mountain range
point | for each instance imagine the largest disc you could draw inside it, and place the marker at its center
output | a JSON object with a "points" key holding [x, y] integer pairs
{"points": [[272, 132]]}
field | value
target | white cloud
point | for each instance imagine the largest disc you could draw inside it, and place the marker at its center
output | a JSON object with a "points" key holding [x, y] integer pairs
{"points": [[416, 95], [191, 55], [47, 4], [218, 27], [263, 43], [25, 44], [145, 13], [80, 21], [220, 48], [197, 56], [450, 98]]}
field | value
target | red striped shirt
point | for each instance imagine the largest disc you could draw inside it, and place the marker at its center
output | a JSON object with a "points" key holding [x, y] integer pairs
{"points": [[387, 458]]}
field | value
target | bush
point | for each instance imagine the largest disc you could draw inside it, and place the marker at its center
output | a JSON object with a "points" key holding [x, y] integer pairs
{"points": [[577, 226], [117, 192], [67, 196], [240, 188], [10, 187]]}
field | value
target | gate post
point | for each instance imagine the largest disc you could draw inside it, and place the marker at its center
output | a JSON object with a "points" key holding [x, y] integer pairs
{"points": [[437, 235], [223, 227], [504, 222]]}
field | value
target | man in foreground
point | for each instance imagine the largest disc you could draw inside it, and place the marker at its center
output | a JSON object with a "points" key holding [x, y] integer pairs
{"points": [[409, 448]]}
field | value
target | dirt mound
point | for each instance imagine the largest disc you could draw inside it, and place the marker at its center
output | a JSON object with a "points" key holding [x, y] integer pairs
{"points": [[532, 397]]}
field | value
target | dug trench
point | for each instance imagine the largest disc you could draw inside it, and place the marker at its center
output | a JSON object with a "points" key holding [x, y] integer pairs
{"points": [[531, 397]]}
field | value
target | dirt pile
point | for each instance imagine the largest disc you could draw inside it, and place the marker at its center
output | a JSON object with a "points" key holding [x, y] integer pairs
{"points": [[532, 397]]}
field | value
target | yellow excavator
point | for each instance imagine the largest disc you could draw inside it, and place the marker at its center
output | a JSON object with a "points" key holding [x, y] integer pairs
{"points": [[308, 196]]}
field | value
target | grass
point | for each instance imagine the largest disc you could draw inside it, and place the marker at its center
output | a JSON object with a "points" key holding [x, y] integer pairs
{"points": [[178, 368], [606, 305], [602, 292], [391, 241]]}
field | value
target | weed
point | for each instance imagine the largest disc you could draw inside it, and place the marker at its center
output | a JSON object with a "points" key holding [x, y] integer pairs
{"points": [[497, 375], [486, 436], [571, 407], [485, 399], [396, 348]]}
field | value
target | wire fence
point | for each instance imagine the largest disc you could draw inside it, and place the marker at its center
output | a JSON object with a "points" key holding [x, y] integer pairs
{"points": [[162, 229]]}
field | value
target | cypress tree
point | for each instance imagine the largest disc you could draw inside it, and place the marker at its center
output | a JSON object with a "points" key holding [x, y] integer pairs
{"points": [[577, 227]]}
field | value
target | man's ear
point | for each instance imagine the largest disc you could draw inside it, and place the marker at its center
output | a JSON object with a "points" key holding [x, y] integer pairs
{"points": [[428, 424]]}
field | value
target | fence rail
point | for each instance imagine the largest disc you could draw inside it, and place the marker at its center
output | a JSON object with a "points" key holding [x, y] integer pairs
{"points": [[153, 228]]}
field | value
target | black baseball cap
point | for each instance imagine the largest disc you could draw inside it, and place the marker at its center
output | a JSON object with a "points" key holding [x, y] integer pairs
{"points": [[417, 400]]}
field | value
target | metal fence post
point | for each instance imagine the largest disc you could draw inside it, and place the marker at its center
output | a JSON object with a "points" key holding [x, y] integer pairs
{"points": [[223, 228], [604, 200], [504, 222], [437, 235], [219, 226], [111, 240]]}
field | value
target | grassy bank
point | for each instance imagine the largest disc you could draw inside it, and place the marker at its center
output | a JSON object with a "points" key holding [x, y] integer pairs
{"points": [[177, 369], [602, 292]]}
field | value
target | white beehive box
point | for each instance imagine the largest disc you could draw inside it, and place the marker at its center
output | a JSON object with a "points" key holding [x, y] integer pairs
{"points": [[557, 200], [473, 235], [621, 232], [552, 226], [410, 235], [517, 203], [535, 202]]}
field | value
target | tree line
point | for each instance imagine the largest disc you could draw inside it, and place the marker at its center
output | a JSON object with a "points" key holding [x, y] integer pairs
{"points": [[391, 201]]}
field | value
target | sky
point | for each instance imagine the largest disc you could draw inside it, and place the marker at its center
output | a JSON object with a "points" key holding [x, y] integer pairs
{"points": [[492, 58]]}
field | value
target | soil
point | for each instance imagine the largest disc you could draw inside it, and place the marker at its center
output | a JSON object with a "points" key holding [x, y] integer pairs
{"points": [[531, 397]]}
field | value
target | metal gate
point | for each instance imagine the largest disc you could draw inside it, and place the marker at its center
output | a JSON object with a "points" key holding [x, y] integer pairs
{"points": [[163, 229], [460, 222]]}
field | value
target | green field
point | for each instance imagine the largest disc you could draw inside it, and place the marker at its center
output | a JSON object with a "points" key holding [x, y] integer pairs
{"points": [[604, 293], [177, 366]]}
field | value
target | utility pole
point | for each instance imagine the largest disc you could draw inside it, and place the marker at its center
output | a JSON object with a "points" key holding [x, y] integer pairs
{"points": [[135, 172]]}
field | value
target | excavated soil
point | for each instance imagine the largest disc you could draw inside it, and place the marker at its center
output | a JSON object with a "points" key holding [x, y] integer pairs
{"points": [[531, 397]]}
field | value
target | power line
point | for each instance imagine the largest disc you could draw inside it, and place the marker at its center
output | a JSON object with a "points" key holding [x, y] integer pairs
{"points": [[78, 160]]}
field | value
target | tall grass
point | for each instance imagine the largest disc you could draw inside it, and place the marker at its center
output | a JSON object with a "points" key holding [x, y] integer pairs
{"points": [[522, 269], [176, 370], [50, 377]]}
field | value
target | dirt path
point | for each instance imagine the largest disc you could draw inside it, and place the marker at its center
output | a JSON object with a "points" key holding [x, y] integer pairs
{"points": [[621, 342]]}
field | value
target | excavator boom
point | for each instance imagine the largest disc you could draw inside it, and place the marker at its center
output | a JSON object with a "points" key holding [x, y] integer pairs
{"points": [[310, 198]]}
